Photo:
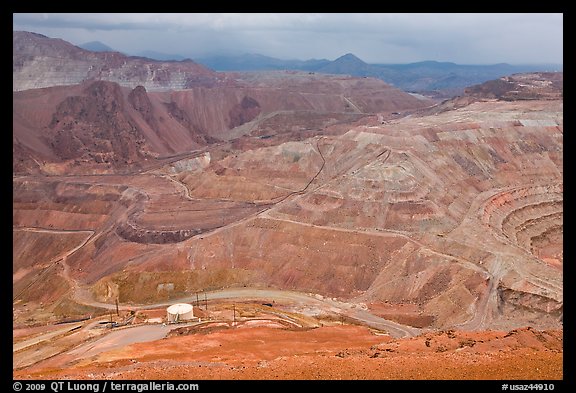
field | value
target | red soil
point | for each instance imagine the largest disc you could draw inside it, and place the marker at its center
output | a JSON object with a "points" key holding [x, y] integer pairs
{"points": [[337, 352]]}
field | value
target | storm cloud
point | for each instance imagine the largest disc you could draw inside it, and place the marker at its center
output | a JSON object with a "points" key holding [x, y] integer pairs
{"points": [[375, 38]]}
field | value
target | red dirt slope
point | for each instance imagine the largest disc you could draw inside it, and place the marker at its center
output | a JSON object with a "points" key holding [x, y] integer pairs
{"points": [[337, 352]]}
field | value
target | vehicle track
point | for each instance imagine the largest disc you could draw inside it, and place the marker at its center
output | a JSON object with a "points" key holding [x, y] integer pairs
{"points": [[58, 259]]}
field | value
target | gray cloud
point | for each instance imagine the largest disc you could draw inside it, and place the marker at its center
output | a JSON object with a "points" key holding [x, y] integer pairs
{"points": [[375, 38]]}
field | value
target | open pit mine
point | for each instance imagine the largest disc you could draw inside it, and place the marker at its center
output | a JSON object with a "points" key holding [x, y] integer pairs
{"points": [[318, 226]]}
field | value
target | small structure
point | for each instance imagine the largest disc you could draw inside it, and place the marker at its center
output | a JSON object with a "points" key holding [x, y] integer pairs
{"points": [[180, 312]]}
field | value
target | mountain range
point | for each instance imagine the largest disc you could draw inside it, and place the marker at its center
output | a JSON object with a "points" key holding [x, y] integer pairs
{"points": [[422, 76], [441, 78]]}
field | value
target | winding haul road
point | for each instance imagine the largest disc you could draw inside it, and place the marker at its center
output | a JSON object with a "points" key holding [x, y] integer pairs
{"points": [[351, 310], [83, 295]]}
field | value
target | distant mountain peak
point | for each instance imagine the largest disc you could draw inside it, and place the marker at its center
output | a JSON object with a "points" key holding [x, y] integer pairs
{"points": [[350, 58], [347, 64]]}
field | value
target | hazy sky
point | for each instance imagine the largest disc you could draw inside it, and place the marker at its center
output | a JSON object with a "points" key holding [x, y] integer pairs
{"points": [[375, 38]]}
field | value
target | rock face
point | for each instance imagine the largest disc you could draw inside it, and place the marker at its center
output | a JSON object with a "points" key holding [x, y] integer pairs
{"points": [[95, 126], [39, 61], [98, 125], [244, 112], [141, 103]]}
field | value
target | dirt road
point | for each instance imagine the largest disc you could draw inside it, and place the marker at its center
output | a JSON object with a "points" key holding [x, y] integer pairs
{"points": [[120, 338], [44, 337], [300, 299]]}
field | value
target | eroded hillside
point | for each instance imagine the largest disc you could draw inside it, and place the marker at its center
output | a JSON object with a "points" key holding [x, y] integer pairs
{"points": [[100, 127], [453, 218]]}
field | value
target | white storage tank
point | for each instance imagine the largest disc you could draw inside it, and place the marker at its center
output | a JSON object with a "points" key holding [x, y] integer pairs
{"points": [[180, 312]]}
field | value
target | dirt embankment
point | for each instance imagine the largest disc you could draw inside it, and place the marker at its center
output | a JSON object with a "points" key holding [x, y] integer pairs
{"points": [[327, 353]]}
